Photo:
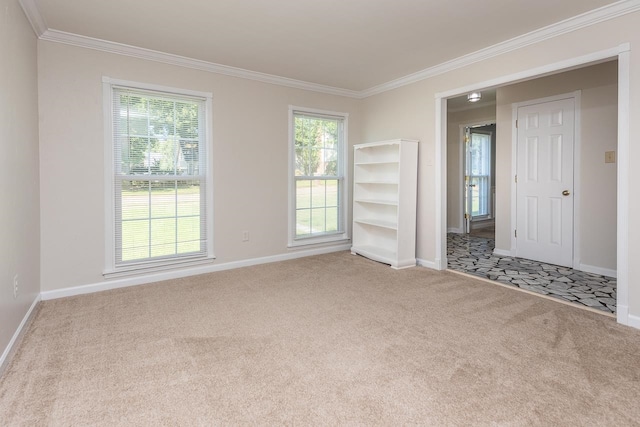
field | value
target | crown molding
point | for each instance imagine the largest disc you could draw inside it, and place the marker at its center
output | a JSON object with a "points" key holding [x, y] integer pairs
{"points": [[36, 20], [593, 17], [181, 61], [577, 22]]}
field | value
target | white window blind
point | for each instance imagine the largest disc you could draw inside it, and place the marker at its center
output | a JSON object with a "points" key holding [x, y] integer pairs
{"points": [[160, 170]]}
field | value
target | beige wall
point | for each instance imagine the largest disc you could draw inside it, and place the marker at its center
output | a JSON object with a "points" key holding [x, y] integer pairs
{"points": [[409, 112], [250, 157], [455, 169], [250, 160], [19, 185], [597, 180]]}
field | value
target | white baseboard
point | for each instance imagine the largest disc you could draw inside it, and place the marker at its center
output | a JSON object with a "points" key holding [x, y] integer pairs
{"points": [[622, 314], [428, 264], [634, 321], [455, 230], [176, 274], [597, 270], [502, 252], [623, 317], [7, 350]]}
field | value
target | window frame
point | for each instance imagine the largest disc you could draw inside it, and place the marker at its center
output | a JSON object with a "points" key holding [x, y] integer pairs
{"points": [[343, 181], [112, 269], [489, 213]]}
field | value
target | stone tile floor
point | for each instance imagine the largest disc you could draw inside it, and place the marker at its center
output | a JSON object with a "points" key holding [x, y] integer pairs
{"points": [[474, 255]]}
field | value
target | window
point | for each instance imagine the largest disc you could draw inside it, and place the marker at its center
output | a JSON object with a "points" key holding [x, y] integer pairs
{"points": [[317, 171], [159, 176], [479, 173]]}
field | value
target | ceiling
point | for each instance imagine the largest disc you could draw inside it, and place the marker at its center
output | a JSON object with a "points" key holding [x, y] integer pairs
{"points": [[461, 103], [349, 44]]}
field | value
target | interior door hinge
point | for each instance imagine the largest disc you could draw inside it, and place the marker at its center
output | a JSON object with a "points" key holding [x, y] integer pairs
{"points": [[516, 179], [516, 123], [515, 233]]}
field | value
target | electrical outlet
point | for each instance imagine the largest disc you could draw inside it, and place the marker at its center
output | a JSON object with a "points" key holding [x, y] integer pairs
{"points": [[245, 236], [15, 286]]}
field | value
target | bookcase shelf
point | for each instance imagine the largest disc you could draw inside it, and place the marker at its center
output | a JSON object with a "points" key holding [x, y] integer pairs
{"points": [[377, 202], [384, 201], [378, 223]]}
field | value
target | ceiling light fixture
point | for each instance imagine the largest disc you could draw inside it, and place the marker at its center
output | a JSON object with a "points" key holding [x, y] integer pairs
{"points": [[474, 97]]}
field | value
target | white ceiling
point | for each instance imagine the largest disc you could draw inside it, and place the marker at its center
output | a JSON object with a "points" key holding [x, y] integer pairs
{"points": [[350, 44], [461, 103]]}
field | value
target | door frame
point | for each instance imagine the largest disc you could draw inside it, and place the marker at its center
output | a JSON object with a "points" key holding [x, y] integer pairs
{"points": [[491, 214], [461, 165], [577, 147], [622, 53]]}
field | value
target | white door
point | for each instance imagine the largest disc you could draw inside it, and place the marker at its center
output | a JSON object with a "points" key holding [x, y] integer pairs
{"points": [[544, 201]]}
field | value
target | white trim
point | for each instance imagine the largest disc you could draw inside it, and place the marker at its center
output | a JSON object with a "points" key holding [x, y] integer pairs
{"points": [[291, 180], [30, 8], [502, 252], [344, 172], [441, 184], [15, 336], [182, 61], [596, 270], [175, 274], [210, 213], [151, 267], [622, 315], [586, 19], [555, 67], [624, 193], [109, 189], [514, 171], [157, 88], [577, 218], [456, 230], [329, 238], [634, 321], [622, 53], [427, 264], [462, 174], [110, 269], [577, 179]]}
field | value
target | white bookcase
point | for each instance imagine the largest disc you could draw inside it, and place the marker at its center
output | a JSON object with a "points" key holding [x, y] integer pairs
{"points": [[385, 176]]}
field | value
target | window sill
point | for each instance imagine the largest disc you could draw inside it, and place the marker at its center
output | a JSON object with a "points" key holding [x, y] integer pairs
{"points": [[133, 270], [319, 241]]}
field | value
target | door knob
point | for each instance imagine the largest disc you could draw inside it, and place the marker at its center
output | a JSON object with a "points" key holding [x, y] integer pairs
{"points": [[565, 193]]}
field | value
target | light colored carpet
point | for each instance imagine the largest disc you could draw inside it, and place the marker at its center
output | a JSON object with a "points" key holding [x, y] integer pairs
{"points": [[332, 339]]}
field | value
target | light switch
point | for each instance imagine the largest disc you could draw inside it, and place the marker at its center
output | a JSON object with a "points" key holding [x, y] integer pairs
{"points": [[609, 156]]}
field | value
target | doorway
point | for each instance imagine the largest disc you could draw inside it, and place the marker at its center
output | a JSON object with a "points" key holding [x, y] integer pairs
{"points": [[563, 283], [479, 142]]}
